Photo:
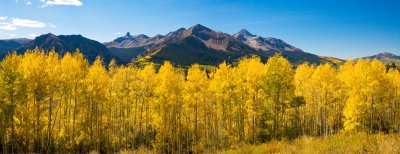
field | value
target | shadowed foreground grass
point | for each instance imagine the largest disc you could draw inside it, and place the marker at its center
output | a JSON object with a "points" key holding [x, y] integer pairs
{"points": [[340, 143]]}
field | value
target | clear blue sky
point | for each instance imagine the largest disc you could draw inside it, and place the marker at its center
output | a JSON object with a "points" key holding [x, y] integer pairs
{"points": [[340, 28]]}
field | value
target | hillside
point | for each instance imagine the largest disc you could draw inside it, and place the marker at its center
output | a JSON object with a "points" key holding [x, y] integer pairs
{"points": [[69, 43], [386, 57], [7, 46]]}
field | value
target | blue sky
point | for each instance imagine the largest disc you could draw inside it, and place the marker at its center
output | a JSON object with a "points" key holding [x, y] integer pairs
{"points": [[343, 29]]}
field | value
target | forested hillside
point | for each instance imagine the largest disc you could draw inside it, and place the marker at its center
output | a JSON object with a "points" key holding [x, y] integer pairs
{"points": [[64, 104]]}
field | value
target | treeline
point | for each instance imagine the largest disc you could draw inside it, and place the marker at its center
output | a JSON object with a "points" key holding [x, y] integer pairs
{"points": [[64, 104]]}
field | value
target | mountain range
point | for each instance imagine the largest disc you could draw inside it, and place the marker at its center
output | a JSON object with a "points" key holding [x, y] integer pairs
{"points": [[183, 47], [386, 57], [10, 45]]}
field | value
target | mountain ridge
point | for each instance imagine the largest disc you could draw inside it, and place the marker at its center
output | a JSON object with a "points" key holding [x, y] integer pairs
{"points": [[8, 45], [226, 47], [69, 43], [184, 46], [385, 57]]}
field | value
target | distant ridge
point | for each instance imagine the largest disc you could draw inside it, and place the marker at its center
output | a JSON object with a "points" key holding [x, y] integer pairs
{"points": [[69, 43], [9, 45], [385, 57], [184, 46]]}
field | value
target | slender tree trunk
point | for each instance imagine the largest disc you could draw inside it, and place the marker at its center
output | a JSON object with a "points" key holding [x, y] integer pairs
{"points": [[74, 119], [12, 130], [195, 125], [49, 126]]}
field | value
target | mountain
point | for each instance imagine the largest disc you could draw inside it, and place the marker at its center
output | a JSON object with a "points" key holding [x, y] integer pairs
{"points": [[199, 44], [128, 47], [196, 44], [127, 41], [385, 57], [21, 41], [69, 43], [262, 43], [274, 45], [7, 46]]}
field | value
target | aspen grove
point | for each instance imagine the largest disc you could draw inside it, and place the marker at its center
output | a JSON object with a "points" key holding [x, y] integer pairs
{"points": [[53, 103]]}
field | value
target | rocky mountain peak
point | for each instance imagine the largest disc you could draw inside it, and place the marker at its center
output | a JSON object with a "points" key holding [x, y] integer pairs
{"points": [[243, 35], [198, 28]]}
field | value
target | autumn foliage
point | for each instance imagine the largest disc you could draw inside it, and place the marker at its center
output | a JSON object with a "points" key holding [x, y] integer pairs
{"points": [[50, 103]]}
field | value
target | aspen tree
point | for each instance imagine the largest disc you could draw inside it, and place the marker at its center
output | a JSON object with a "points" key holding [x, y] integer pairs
{"points": [[12, 94], [279, 90]]}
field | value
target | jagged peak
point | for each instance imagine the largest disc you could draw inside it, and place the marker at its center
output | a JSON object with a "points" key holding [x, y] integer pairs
{"points": [[198, 28], [243, 35], [245, 32], [128, 35]]}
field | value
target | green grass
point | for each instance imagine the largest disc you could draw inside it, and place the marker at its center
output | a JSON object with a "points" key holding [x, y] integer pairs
{"points": [[341, 143]]}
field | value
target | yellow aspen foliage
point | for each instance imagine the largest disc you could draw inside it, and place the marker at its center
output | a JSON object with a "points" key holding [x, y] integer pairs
{"points": [[279, 91], [197, 102], [96, 102], [223, 87], [169, 109], [365, 81], [250, 73], [393, 109], [52, 103], [13, 95]]}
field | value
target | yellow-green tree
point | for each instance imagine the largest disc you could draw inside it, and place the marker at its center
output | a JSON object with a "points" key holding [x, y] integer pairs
{"points": [[366, 82], [249, 76], [304, 88], [33, 67], [197, 107], [223, 87], [393, 111], [12, 95], [96, 105], [279, 90], [74, 68], [169, 109], [62, 103]]}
